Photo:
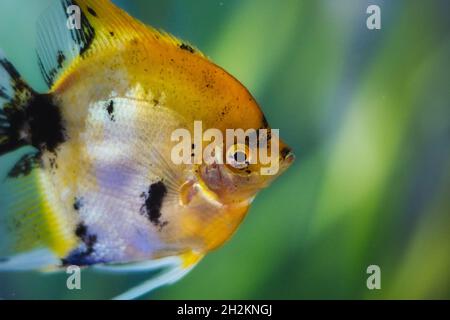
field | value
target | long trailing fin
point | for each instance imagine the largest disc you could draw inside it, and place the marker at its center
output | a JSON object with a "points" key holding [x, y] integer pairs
{"points": [[138, 266], [173, 272]]}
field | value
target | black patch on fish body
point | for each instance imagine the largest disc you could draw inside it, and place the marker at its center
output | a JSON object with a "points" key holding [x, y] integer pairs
{"points": [[153, 202], [265, 124], [187, 47], [82, 256], [25, 165], [45, 123], [110, 110]]}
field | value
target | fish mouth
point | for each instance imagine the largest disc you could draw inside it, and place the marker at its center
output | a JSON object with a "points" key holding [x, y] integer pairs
{"points": [[287, 157]]}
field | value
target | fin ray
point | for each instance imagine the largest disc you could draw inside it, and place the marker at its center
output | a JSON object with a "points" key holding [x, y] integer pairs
{"points": [[102, 26], [171, 275], [34, 259], [26, 220]]}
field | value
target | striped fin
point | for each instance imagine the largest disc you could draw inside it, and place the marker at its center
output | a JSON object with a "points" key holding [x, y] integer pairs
{"points": [[64, 40]]}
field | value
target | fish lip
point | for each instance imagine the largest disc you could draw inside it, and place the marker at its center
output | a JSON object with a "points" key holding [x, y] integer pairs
{"points": [[289, 158]]}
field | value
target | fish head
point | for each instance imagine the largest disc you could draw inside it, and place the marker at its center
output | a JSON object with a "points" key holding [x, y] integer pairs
{"points": [[246, 169]]}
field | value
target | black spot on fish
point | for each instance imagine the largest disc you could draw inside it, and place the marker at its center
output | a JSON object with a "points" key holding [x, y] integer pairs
{"points": [[77, 204], [60, 58], [92, 11], [45, 123], [153, 202], [110, 110], [34, 119], [25, 165], [82, 256], [187, 48], [81, 231], [111, 34]]}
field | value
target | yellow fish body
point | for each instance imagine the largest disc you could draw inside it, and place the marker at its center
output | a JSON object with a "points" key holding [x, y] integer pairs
{"points": [[106, 190]]}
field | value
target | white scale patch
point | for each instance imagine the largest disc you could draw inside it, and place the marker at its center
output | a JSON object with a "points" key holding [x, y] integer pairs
{"points": [[111, 209]]}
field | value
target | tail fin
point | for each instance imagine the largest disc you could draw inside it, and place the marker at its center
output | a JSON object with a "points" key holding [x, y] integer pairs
{"points": [[26, 117], [30, 234], [15, 95]]}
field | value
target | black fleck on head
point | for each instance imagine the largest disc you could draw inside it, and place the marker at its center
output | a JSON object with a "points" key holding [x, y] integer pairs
{"points": [[153, 202], [187, 47]]}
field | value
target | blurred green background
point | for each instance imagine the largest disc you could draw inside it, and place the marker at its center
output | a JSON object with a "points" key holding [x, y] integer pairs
{"points": [[367, 113]]}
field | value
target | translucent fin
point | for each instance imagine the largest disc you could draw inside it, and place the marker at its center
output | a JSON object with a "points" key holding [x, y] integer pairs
{"points": [[175, 268], [32, 260], [139, 266], [67, 35], [61, 39], [27, 221], [171, 275]]}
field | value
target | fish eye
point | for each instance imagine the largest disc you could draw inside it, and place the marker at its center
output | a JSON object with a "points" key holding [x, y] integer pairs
{"points": [[238, 156]]}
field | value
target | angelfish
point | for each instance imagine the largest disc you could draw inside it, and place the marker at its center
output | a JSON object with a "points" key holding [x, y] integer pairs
{"points": [[97, 185]]}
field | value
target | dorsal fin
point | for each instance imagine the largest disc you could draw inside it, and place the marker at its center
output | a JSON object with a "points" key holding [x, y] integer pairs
{"points": [[71, 30]]}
